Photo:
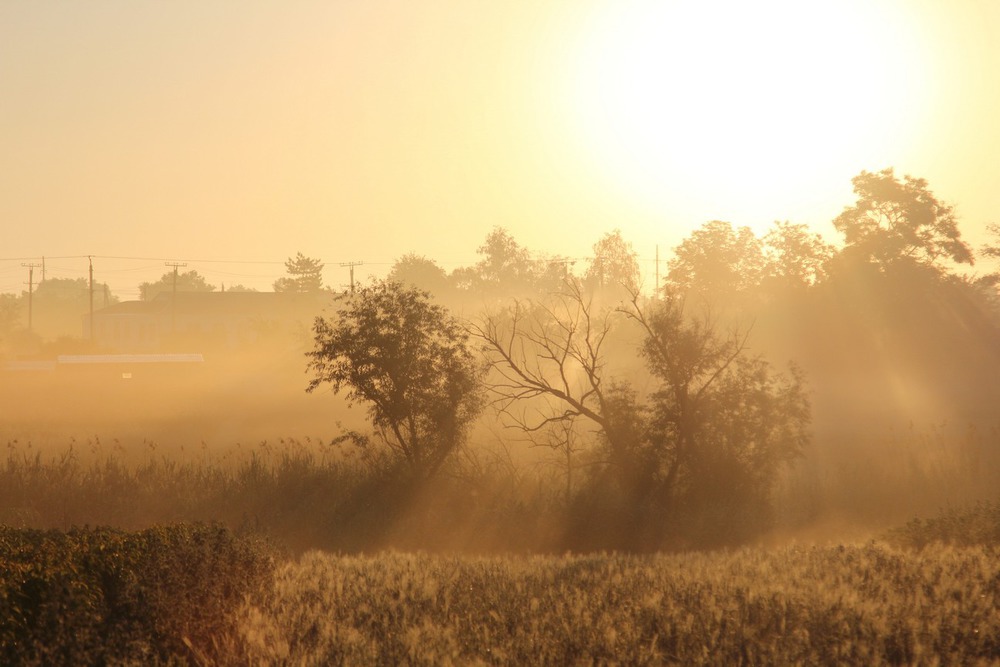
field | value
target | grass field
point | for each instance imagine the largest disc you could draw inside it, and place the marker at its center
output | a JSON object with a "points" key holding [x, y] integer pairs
{"points": [[927, 592], [862, 605]]}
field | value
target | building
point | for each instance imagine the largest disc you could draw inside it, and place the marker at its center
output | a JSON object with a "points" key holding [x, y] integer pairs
{"points": [[203, 320]]}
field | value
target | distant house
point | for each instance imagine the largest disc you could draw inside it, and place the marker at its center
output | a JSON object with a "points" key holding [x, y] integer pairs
{"points": [[200, 320]]}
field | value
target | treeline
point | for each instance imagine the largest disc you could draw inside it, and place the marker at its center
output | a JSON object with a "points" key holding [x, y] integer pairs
{"points": [[671, 412], [767, 379]]}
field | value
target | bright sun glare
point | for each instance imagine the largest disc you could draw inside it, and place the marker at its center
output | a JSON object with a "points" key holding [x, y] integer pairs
{"points": [[746, 109]]}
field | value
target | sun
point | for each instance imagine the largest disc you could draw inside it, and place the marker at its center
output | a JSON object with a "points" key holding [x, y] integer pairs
{"points": [[744, 110]]}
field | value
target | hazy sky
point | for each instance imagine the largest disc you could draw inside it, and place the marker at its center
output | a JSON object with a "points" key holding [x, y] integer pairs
{"points": [[360, 130]]}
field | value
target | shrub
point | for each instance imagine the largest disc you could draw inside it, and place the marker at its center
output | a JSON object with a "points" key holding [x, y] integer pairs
{"points": [[978, 525], [99, 596]]}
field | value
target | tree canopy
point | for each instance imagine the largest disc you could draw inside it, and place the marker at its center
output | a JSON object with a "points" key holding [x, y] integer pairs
{"points": [[418, 271], [406, 358], [305, 274], [717, 262], [188, 281], [711, 431], [894, 220], [615, 263]]}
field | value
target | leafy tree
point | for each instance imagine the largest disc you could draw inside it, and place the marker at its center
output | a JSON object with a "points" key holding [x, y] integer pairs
{"points": [[60, 303], [188, 281], [10, 313], [895, 220], [717, 262], [794, 255], [406, 358], [237, 288], [505, 266], [709, 437], [615, 263], [418, 271], [304, 275]]}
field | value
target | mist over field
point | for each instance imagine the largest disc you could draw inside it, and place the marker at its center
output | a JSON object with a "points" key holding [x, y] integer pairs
{"points": [[772, 386]]}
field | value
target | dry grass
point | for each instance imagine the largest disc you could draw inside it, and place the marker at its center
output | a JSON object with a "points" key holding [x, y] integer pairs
{"points": [[842, 605]]}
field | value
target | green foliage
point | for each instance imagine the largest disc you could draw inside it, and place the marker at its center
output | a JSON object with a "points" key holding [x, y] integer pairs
{"points": [[405, 358], [840, 605], [103, 596]]}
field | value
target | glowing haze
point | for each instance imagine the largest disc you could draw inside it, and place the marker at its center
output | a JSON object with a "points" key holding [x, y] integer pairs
{"points": [[360, 131]]}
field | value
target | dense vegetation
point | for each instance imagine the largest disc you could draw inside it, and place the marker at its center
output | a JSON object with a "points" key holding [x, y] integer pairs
{"points": [[105, 596], [622, 422], [837, 605], [200, 595]]}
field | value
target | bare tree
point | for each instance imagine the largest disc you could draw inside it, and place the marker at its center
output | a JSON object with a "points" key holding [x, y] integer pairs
{"points": [[548, 354], [714, 409]]}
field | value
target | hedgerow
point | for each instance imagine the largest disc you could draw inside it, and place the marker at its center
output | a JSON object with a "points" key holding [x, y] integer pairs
{"points": [[164, 595]]}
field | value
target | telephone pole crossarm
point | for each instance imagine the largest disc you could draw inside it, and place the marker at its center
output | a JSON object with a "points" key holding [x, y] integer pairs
{"points": [[351, 266]]}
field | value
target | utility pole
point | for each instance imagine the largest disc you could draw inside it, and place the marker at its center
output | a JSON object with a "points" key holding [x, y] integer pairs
{"points": [[90, 259], [566, 264], [31, 283], [173, 298], [351, 266]]}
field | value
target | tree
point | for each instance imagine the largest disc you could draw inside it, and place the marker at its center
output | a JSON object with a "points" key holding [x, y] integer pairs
{"points": [[10, 314], [895, 220], [304, 275], [615, 264], [237, 288], [390, 348], [715, 414], [11, 327], [794, 255], [717, 263], [418, 271], [505, 266], [59, 304], [723, 422], [188, 281]]}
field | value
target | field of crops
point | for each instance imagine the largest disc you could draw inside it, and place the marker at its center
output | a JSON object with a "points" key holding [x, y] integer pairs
{"points": [[871, 604], [196, 594], [255, 588]]}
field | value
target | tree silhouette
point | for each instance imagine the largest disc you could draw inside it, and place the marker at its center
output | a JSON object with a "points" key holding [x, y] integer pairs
{"points": [[895, 220], [716, 416], [717, 263], [615, 264], [304, 275], [390, 348], [418, 271], [189, 281], [506, 267], [795, 256]]}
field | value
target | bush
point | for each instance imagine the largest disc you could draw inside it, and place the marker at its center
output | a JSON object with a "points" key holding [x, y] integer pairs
{"points": [[972, 526], [97, 596]]}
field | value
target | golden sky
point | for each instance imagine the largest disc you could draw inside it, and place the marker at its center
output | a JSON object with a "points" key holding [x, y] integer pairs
{"points": [[360, 130]]}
